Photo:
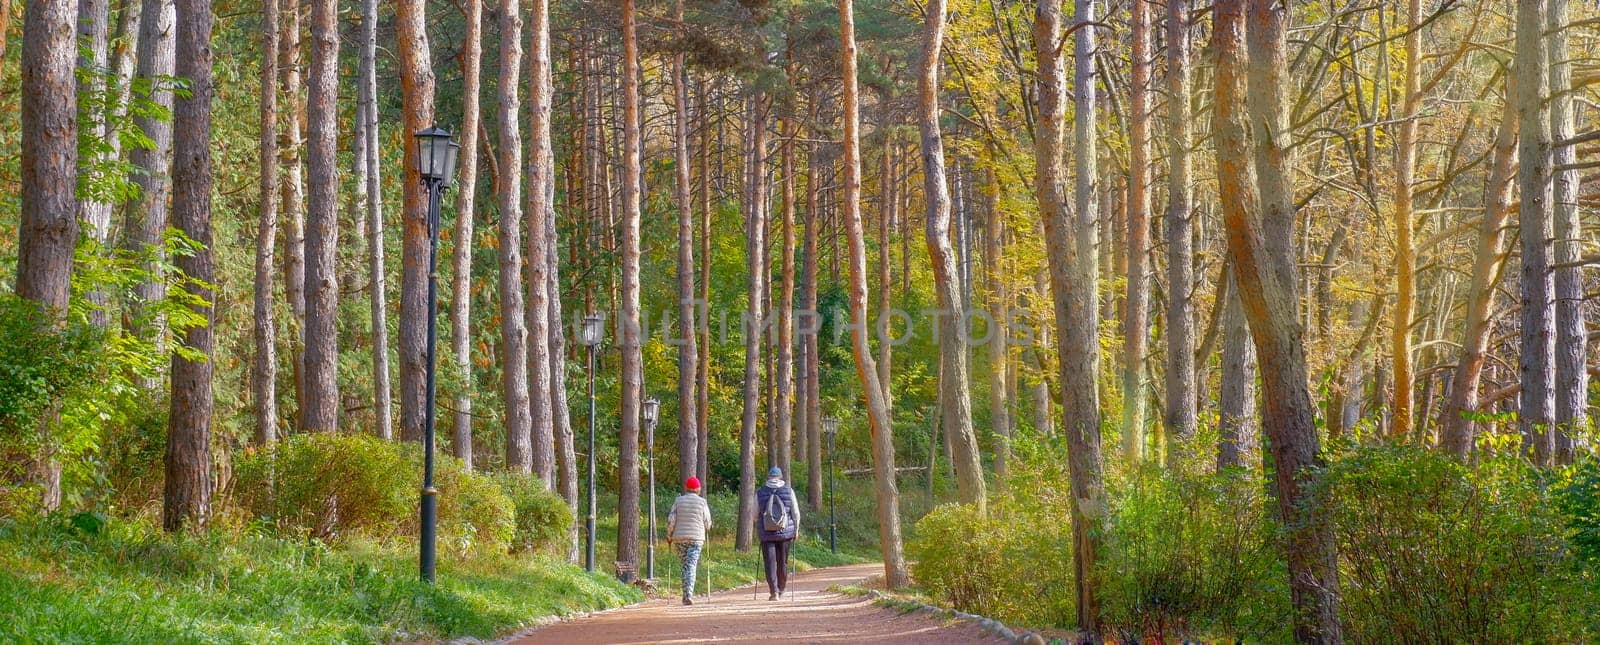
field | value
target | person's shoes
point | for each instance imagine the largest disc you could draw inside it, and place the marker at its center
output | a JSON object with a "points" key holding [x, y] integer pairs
{"points": [[687, 601], [772, 596]]}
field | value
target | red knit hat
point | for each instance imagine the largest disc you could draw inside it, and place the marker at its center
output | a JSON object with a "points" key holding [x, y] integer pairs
{"points": [[693, 483]]}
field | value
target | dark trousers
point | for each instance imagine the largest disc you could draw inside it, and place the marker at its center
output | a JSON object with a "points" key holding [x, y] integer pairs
{"points": [[775, 556]]}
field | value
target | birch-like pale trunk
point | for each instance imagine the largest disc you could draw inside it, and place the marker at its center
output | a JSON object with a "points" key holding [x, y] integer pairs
{"points": [[1571, 331], [264, 365], [513, 321], [466, 185]]}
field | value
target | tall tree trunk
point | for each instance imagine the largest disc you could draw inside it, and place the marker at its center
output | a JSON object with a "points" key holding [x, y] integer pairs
{"points": [[999, 345], [416, 93], [1405, 259], [955, 402], [1179, 229], [513, 322], [465, 244], [689, 329], [632, 391], [293, 201], [1459, 432], [264, 368], [1258, 232], [187, 498], [882, 430], [93, 30], [560, 415], [320, 409], [1536, 362], [1237, 423], [702, 378], [379, 306], [541, 204], [1571, 331], [756, 250], [810, 361], [884, 327], [782, 415], [147, 215], [1136, 311], [49, 171]]}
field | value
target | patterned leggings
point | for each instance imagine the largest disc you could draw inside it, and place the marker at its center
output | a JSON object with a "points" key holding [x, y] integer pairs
{"points": [[689, 554]]}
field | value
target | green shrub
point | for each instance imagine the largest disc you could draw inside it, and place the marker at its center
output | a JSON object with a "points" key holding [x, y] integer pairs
{"points": [[542, 516], [328, 485], [1432, 550], [1578, 498], [353, 484], [1191, 556]]}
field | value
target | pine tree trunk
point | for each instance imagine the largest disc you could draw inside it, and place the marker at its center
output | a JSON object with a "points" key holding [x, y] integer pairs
{"points": [[514, 354], [884, 327], [782, 414], [702, 377], [1257, 231], [541, 204], [416, 88], [810, 375], [187, 498], [264, 368], [561, 417], [293, 201], [147, 215], [319, 411], [753, 328], [93, 28], [1458, 432], [1536, 361], [1405, 259], [382, 398], [1180, 373], [1000, 314], [464, 243], [49, 170], [689, 329], [632, 392], [1136, 310], [882, 429], [955, 402], [1236, 442], [1571, 331]]}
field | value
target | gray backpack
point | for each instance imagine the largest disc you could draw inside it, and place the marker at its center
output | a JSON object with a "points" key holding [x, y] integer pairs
{"points": [[776, 517]]}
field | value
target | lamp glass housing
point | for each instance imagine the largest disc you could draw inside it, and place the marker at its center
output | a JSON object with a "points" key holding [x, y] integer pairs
{"points": [[590, 332], [436, 154], [652, 411]]}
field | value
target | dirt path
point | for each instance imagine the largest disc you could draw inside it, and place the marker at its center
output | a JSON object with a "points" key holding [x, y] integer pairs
{"points": [[812, 616]]}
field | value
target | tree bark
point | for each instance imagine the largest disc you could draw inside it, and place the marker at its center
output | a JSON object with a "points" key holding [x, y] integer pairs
{"points": [[464, 244], [756, 250], [702, 379], [293, 201], [1536, 362], [1458, 433], [319, 411], [49, 171], [882, 430], [999, 345], [782, 415], [514, 355], [1136, 310], [632, 391], [561, 418], [541, 204], [955, 402], [1405, 259], [810, 373], [689, 329], [883, 328], [264, 368], [382, 398], [1258, 231], [416, 92], [1236, 444], [147, 215], [1571, 331], [1180, 374], [187, 498]]}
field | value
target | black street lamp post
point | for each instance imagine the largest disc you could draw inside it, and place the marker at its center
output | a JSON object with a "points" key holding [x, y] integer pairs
{"points": [[652, 414], [830, 430], [436, 163], [590, 335]]}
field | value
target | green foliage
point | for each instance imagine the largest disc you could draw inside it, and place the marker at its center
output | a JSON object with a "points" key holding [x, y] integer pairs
{"points": [[542, 517], [1191, 556], [1434, 550], [126, 582], [336, 486], [41, 363], [1578, 498]]}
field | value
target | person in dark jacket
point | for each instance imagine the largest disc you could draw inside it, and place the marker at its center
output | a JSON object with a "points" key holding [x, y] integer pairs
{"points": [[778, 523]]}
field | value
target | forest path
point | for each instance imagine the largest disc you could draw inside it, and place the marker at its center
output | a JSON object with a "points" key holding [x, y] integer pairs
{"points": [[807, 614]]}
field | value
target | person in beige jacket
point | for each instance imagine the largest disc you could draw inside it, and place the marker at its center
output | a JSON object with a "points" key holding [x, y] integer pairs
{"points": [[687, 524]]}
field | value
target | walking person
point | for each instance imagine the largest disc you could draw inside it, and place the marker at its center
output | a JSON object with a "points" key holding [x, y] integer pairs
{"points": [[778, 522], [687, 524]]}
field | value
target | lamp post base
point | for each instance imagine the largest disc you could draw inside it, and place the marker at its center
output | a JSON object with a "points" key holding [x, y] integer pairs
{"points": [[430, 514]]}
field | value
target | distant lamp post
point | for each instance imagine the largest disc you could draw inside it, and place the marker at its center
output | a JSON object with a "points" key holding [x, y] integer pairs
{"points": [[590, 334], [651, 414], [830, 431], [436, 164]]}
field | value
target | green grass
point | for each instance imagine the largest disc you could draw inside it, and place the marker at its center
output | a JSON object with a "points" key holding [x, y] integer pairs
{"points": [[130, 583]]}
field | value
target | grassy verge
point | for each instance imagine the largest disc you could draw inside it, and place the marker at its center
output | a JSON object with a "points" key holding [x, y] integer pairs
{"points": [[127, 582]]}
